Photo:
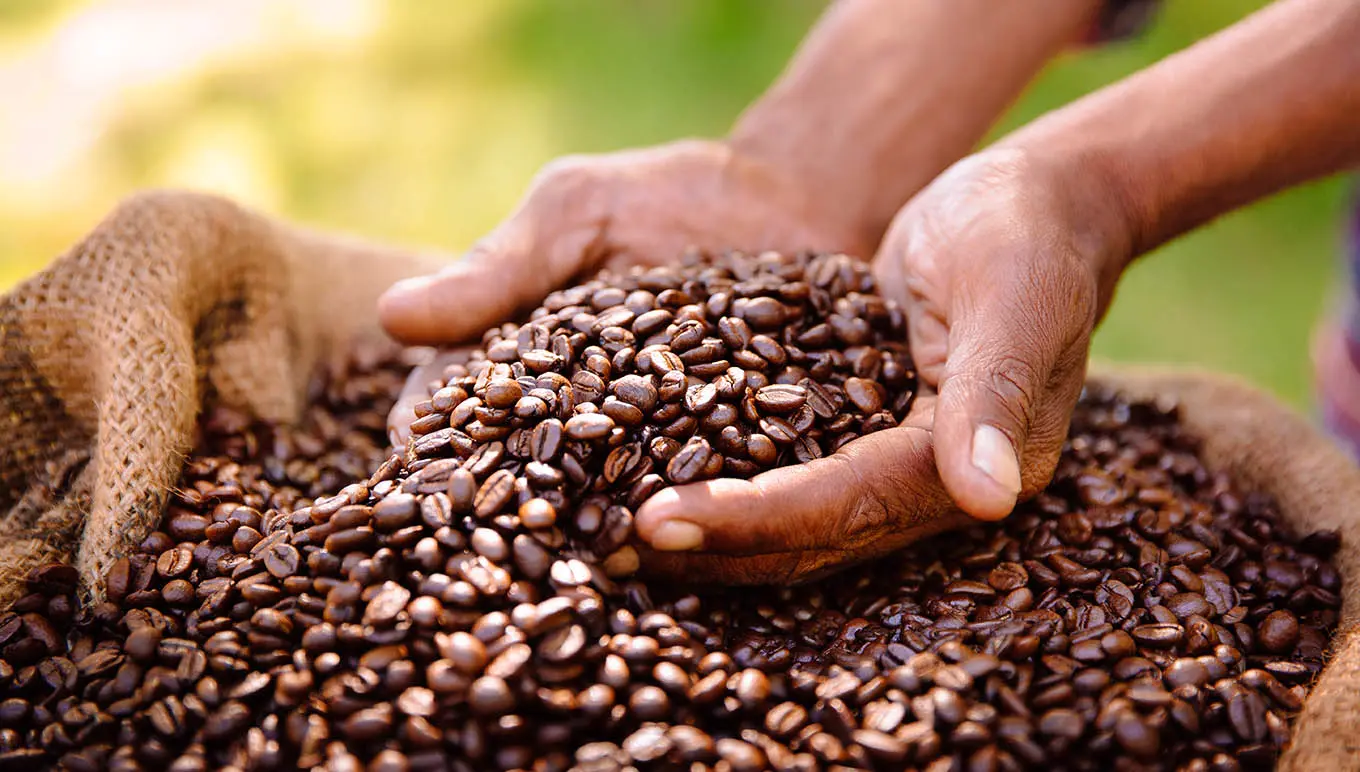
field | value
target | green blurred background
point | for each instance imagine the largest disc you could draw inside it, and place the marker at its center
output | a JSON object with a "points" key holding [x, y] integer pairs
{"points": [[422, 122]]}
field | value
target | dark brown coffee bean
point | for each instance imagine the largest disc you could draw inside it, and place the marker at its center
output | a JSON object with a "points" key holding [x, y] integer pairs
{"points": [[689, 464], [1188, 604], [1246, 714], [735, 332], [763, 313], [494, 494], [649, 703], [395, 512], [1062, 723], [545, 441], [282, 560], [1158, 635], [503, 393], [1136, 737], [637, 390], [1186, 672], [664, 362], [881, 746], [1289, 672], [490, 695], [117, 583], [701, 399], [227, 722], [1278, 633], [760, 449], [785, 719], [806, 449], [780, 398], [778, 430], [186, 526], [867, 396], [589, 426], [1008, 576]]}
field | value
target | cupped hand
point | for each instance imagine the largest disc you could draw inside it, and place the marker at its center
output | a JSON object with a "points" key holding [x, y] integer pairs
{"points": [[585, 213], [1003, 264]]}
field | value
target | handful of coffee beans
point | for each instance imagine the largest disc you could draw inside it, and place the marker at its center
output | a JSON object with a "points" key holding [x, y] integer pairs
{"points": [[471, 603]]}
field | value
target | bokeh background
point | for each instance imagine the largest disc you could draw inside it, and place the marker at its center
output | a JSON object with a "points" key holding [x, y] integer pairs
{"points": [[421, 122]]}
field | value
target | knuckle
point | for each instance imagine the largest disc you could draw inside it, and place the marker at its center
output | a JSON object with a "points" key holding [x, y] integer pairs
{"points": [[565, 175], [866, 518], [871, 509], [1013, 382]]}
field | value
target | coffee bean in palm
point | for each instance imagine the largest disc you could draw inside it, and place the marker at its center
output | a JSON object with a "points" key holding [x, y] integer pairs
{"points": [[781, 398], [865, 395], [690, 463]]}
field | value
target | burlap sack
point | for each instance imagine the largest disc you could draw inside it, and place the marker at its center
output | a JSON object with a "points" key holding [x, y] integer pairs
{"points": [[106, 357], [1267, 447]]}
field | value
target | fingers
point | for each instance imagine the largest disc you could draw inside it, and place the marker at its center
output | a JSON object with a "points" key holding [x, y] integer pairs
{"points": [[1017, 352], [875, 494], [713, 569], [462, 301], [554, 234]]}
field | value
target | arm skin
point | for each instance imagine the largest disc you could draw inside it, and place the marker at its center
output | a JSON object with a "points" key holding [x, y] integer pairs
{"points": [[883, 95], [1268, 103], [1004, 263]]}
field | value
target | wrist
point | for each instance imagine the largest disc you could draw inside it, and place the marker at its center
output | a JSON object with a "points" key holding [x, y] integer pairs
{"points": [[1089, 199], [838, 204], [824, 208], [1216, 126], [886, 94]]}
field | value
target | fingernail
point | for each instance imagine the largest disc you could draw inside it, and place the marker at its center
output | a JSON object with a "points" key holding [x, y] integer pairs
{"points": [[677, 536], [994, 457]]}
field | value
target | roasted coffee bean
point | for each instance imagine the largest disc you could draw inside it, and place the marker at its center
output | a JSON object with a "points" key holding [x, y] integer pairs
{"points": [[494, 494], [589, 426], [690, 463], [282, 560], [1278, 632], [866, 395], [471, 604], [781, 398], [545, 441]]}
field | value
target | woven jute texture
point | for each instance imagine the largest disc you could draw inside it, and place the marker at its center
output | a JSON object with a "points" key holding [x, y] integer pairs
{"points": [[108, 354], [1267, 447], [176, 299]]}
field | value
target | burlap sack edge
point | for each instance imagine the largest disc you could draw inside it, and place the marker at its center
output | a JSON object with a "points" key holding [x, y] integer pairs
{"points": [[1267, 446]]}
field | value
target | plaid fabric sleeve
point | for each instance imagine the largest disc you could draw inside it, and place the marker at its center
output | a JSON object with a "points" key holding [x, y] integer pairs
{"points": [[1121, 19], [1336, 350]]}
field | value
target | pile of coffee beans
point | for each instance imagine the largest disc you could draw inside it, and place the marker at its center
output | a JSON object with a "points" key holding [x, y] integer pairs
{"points": [[472, 603]]}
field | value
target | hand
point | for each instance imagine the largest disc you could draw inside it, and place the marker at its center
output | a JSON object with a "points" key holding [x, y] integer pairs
{"points": [[640, 207], [1002, 264]]}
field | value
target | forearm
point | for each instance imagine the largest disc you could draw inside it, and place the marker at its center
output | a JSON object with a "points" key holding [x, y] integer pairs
{"points": [[1268, 103], [885, 94]]}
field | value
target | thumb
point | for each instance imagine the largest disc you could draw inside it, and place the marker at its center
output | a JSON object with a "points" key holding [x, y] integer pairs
{"points": [[873, 495], [1014, 371], [518, 264]]}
